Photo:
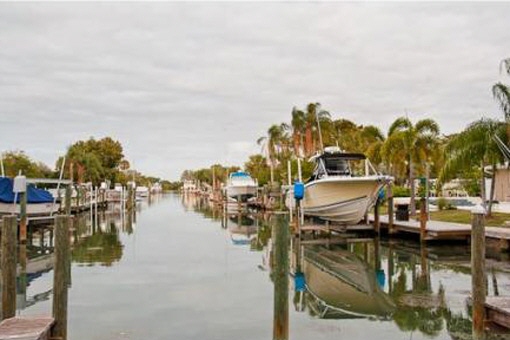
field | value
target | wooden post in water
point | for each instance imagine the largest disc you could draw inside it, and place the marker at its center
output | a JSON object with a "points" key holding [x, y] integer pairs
{"points": [[391, 215], [9, 229], [377, 224], [478, 271], [60, 276], [69, 192], [423, 219], [281, 280], [23, 217]]}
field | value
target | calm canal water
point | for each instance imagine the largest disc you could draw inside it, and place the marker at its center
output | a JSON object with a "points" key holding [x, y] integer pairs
{"points": [[181, 270]]}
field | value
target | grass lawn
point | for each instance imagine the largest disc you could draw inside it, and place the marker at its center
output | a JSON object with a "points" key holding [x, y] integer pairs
{"points": [[463, 216]]}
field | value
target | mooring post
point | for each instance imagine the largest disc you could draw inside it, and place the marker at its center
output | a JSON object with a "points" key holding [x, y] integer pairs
{"points": [[478, 271], [391, 215], [60, 279], [68, 199], [391, 266], [23, 217], [9, 230], [377, 224], [281, 280], [423, 219]]}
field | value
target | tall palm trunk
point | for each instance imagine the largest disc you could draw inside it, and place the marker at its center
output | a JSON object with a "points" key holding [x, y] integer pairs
{"points": [[308, 140], [297, 140]]}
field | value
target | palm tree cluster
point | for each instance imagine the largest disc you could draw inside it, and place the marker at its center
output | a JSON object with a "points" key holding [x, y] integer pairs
{"points": [[407, 151]]}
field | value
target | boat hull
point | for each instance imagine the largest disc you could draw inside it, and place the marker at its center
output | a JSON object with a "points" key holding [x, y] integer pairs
{"points": [[341, 200], [33, 209], [244, 192]]}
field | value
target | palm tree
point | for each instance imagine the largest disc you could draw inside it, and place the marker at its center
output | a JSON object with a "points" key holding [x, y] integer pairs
{"points": [[475, 148], [411, 145], [298, 126], [502, 93], [372, 142], [312, 115], [276, 143]]}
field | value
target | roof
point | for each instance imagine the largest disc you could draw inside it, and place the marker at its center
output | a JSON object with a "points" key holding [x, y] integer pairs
{"points": [[348, 156]]}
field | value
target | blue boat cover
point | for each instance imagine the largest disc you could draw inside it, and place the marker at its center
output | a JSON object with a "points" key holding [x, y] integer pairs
{"points": [[34, 195], [240, 174]]}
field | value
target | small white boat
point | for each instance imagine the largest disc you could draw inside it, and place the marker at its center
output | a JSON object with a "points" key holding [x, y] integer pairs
{"points": [[240, 186], [335, 193], [142, 191], [39, 202]]}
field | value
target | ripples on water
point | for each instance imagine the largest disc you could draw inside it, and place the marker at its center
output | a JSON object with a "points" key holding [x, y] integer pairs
{"points": [[181, 269]]}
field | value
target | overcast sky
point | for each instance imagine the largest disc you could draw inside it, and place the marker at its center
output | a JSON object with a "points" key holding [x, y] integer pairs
{"points": [[186, 85]]}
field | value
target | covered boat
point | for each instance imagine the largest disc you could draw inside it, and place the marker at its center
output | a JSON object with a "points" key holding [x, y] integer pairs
{"points": [[39, 201], [337, 191], [240, 186]]}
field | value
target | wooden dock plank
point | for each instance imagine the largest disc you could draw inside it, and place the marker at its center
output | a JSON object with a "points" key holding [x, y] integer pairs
{"points": [[435, 230], [26, 328], [498, 310]]}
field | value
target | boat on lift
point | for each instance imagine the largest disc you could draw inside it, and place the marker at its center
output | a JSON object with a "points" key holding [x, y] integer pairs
{"points": [[240, 186], [340, 191]]}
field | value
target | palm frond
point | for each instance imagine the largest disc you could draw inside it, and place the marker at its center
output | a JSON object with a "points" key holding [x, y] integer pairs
{"points": [[502, 93], [401, 123], [505, 65]]}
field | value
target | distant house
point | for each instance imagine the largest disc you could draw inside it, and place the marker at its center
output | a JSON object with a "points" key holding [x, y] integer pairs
{"points": [[454, 188]]}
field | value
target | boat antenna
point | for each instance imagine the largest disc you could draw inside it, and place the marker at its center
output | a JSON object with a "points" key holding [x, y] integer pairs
{"points": [[317, 108]]}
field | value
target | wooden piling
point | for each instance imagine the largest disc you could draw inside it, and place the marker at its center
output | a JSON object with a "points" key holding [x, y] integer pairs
{"points": [[68, 195], [391, 215], [377, 224], [281, 280], [60, 276], [9, 229], [478, 272], [23, 217], [423, 219]]}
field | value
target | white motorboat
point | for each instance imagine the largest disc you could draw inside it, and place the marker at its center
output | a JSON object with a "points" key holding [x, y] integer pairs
{"points": [[39, 202], [142, 191], [336, 192], [240, 186]]}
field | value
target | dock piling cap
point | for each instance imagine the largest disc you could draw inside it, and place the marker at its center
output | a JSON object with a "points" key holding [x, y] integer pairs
{"points": [[479, 210]]}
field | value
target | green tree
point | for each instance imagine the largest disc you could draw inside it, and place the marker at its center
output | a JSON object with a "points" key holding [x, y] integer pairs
{"points": [[298, 124], [410, 145], [16, 161], [475, 148], [501, 92]]}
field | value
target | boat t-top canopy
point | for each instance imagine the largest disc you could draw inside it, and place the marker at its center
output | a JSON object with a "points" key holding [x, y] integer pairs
{"points": [[239, 174]]}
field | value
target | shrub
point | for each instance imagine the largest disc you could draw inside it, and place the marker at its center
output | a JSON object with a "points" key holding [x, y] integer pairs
{"points": [[399, 191]]}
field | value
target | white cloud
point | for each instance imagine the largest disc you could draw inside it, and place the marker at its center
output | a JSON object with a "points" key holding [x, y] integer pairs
{"points": [[186, 85]]}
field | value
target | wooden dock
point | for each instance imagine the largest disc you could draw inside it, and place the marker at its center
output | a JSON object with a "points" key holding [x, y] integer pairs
{"points": [[497, 310], [26, 328], [435, 230]]}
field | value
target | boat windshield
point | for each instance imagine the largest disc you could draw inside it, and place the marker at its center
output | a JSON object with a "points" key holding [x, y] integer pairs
{"points": [[337, 166]]}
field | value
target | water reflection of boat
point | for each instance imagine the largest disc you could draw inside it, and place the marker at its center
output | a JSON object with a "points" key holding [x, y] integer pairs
{"points": [[341, 285], [242, 229]]}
